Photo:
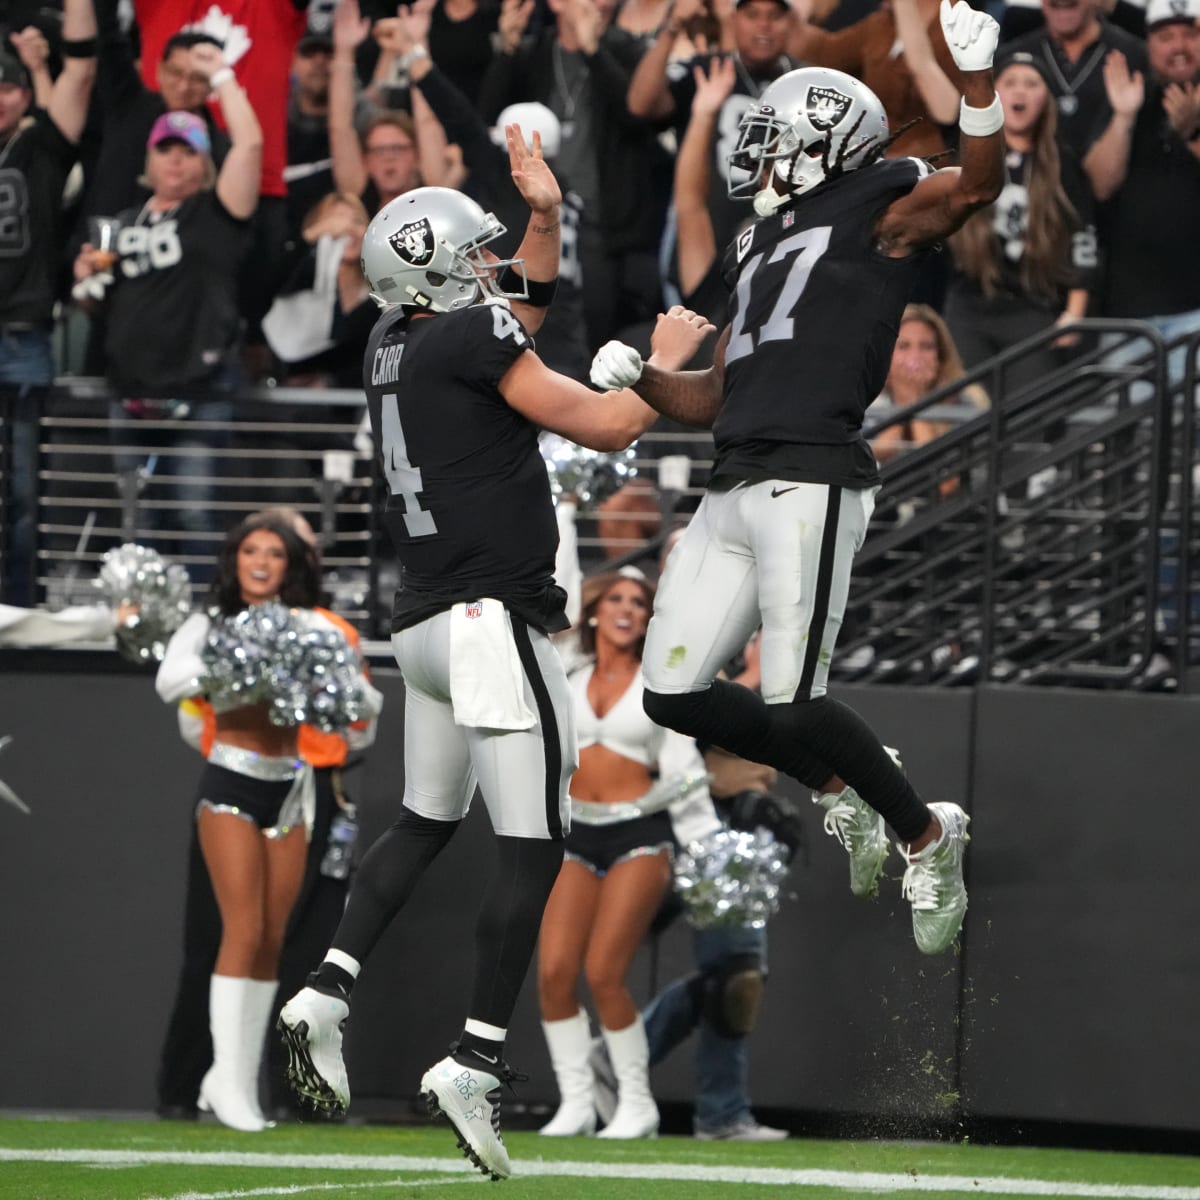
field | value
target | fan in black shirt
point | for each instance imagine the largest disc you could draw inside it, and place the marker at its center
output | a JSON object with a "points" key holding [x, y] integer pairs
{"points": [[456, 395], [819, 283]]}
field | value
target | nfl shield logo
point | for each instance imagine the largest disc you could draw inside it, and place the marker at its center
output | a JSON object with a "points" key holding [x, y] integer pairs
{"points": [[826, 107], [414, 242], [474, 608], [789, 219]]}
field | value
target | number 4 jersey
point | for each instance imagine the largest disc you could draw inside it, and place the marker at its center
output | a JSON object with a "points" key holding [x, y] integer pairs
{"points": [[469, 508], [813, 317]]}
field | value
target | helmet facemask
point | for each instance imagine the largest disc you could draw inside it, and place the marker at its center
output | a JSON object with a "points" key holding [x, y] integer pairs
{"points": [[787, 146]]}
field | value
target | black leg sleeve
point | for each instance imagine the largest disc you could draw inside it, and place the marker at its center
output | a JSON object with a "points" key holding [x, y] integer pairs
{"points": [[811, 740], [510, 917], [385, 880]]}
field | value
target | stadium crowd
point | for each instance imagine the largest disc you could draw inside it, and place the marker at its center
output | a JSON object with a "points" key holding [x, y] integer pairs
{"points": [[197, 283]]}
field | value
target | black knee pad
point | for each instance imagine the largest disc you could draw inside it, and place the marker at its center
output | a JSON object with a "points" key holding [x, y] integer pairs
{"points": [[733, 995]]}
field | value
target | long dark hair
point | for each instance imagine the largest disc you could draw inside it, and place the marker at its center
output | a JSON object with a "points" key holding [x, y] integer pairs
{"points": [[301, 587], [594, 590]]}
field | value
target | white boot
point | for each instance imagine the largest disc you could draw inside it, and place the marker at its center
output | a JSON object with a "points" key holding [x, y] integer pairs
{"points": [[260, 1005], [223, 1089], [637, 1114], [570, 1043]]}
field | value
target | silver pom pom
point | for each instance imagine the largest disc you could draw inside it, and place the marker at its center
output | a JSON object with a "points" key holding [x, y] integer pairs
{"points": [[589, 475], [268, 654], [161, 592], [731, 878]]}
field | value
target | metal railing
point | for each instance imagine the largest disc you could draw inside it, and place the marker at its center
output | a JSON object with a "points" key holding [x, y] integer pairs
{"points": [[1048, 539]]}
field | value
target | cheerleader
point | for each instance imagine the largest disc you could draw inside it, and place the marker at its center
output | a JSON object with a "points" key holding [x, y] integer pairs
{"points": [[254, 809]]}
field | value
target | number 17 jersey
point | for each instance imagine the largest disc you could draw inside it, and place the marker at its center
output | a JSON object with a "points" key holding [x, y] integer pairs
{"points": [[814, 315], [469, 507]]}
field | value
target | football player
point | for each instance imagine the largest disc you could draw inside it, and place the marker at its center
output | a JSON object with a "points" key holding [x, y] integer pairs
{"points": [[819, 283], [456, 395]]}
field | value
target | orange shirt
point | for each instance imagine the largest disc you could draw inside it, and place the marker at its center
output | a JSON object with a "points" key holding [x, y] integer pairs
{"points": [[316, 747]]}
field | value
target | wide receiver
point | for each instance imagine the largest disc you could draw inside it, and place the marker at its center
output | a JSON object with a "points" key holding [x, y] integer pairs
{"points": [[819, 282]]}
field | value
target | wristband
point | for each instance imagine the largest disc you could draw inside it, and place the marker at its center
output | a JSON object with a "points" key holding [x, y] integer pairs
{"points": [[541, 292], [981, 122], [80, 47], [221, 75], [406, 60]]}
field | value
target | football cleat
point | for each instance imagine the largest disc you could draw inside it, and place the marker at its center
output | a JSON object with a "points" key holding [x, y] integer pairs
{"points": [[933, 882], [860, 829], [469, 1098], [311, 1023]]}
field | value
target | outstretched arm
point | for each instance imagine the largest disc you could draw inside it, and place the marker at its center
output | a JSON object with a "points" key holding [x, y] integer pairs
{"points": [[942, 202], [68, 105], [618, 417], [691, 397]]}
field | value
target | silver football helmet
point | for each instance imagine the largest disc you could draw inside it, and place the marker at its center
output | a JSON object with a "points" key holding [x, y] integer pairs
{"points": [[425, 250], [810, 125]]}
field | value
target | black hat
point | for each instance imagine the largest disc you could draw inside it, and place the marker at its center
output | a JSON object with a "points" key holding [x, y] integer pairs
{"points": [[1022, 58], [12, 70]]}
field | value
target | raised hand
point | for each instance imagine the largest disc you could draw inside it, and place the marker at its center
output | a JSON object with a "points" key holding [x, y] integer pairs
{"points": [[207, 59], [713, 89], [530, 171], [588, 21], [350, 27], [971, 36], [514, 16], [1126, 90], [32, 48], [415, 19], [1181, 103]]}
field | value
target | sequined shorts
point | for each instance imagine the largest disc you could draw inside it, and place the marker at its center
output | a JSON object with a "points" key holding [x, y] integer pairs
{"points": [[263, 791], [599, 848]]}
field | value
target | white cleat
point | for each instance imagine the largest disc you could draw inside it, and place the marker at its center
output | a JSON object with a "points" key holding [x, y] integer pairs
{"points": [[311, 1023], [470, 1100], [933, 882]]}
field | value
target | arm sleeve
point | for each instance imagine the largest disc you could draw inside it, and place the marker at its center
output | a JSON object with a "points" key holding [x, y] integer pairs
{"points": [[36, 627], [182, 670], [568, 574]]}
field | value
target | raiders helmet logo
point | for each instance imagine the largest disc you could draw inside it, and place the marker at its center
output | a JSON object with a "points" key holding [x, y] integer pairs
{"points": [[414, 242], [826, 107]]}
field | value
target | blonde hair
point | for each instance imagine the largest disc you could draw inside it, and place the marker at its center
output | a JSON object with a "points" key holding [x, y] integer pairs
{"points": [[331, 200], [950, 366]]}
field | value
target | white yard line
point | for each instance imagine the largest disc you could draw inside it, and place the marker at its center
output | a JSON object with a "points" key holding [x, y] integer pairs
{"points": [[850, 1181]]}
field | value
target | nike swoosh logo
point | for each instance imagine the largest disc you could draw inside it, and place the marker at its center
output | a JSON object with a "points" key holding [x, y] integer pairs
{"points": [[780, 491], [485, 1058]]}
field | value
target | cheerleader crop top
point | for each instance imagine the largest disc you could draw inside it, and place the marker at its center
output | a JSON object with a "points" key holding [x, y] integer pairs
{"points": [[624, 729]]}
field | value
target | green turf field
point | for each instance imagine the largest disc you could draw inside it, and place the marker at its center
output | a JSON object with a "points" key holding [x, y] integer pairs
{"points": [[63, 1159]]}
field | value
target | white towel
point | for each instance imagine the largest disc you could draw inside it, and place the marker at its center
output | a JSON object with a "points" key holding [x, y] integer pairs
{"points": [[487, 685]]}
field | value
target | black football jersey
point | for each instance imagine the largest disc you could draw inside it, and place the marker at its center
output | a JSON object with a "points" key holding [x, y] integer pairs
{"points": [[173, 308], [469, 508], [814, 313]]}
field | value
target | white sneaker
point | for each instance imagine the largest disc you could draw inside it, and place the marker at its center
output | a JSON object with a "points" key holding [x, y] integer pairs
{"points": [[311, 1023], [744, 1129], [860, 829], [933, 882], [470, 1101]]}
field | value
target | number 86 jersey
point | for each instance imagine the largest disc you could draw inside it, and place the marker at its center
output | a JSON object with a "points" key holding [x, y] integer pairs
{"points": [[469, 508], [813, 318]]}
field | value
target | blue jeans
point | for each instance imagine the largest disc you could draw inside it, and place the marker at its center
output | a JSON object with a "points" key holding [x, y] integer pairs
{"points": [[187, 477], [26, 368], [722, 1063]]}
